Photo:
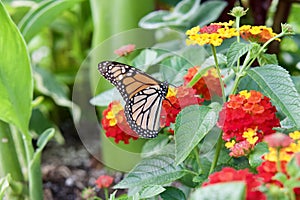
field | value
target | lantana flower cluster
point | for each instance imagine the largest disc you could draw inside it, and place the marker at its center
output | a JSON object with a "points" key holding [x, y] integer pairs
{"points": [[258, 34], [207, 86], [228, 174], [176, 100], [213, 34], [245, 119], [287, 146], [115, 124]]}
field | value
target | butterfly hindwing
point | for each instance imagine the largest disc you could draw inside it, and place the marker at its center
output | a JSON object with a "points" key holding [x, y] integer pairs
{"points": [[142, 94]]}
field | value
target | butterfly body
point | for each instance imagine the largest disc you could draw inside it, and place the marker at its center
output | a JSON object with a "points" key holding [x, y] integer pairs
{"points": [[143, 96]]}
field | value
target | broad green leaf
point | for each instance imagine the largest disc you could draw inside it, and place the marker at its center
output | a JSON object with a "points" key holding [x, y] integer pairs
{"points": [[296, 80], [145, 59], [47, 84], [293, 167], [42, 15], [182, 12], [192, 124], [255, 157], [208, 12], [155, 145], [172, 193], [151, 191], [154, 170], [278, 85], [104, 98], [16, 86], [235, 51], [267, 59], [220, 191]]}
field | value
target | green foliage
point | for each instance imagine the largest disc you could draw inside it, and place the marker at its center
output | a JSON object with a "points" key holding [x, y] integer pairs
{"points": [[278, 85], [16, 85], [192, 124], [232, 190], [255, 157], [236, 51], [172, 193]]}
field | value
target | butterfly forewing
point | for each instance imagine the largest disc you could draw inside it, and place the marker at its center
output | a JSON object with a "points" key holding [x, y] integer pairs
{"points": [[142, 93]]}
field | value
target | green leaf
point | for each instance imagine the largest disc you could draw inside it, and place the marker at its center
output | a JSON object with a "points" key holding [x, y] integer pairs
{"points": [[155, 145], [42, 15], [293, 168], [154, 170], [236, 51], [4, 185], [266, 59], [151, 191], [41, 143], [192, 124], [279, 176], [172, 193], [47, 84], [104, 98], [220, 191], [177, 18], [278, 85], [145, 59], [255, 157], [16, 86], [208, 12]]}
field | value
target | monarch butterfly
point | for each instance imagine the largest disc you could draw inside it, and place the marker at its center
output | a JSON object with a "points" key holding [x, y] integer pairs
{"points": [[143, 96]]}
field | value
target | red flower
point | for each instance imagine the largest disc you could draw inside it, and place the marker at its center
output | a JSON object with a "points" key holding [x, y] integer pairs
{"points": [[228, 174], [104, 181], [207, 86], [115, 125], [268, 169], [125, 50], [278, 140], [177, 99], [247, 116]]}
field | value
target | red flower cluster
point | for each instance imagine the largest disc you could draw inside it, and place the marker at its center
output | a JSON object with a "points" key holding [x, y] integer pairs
{"points": [[228, 174], [104, 181], [115, 124], [207, 86], [247, 116], [176, 100]]}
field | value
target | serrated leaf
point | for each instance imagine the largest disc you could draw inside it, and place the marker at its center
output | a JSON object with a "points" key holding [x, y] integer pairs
{"points": [[42, 15], [277, 84], [255, 157], [154, 170], [220, 191], [172, 193], [155, 145], [267, 59], [192, 124], [16, 85], [236, 50], [151, 191]]}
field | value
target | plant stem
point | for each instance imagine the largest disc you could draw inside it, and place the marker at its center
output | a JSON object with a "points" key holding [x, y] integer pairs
{"points": [[278, 163], [106, 193], [218, 71], [196, 153], [218, 149], [237, 22]]}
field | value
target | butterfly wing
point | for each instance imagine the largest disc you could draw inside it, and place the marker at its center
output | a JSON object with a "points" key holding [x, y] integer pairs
{"points": [[142, 93]]}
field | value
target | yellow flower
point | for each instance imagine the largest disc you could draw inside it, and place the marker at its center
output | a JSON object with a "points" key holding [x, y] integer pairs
{"points": [[250, 136], [245, 93], [171, 92], [193, 31], [295, 135], [230, 23], [228, 145], [112, 122], [110, 115]]}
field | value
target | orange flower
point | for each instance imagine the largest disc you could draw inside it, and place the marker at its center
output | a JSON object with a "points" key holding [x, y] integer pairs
{"points": [[104, 181], [259, 34]]}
